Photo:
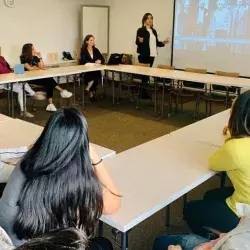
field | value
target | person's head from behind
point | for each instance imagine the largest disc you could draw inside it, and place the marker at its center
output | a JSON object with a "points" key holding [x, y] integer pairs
{"points": [[61, 188], [28, 51], [186, 5], [221, 4], [202, 4], [89, 41], [239, 2], [239, 122], [147, 20], [59, 239]]}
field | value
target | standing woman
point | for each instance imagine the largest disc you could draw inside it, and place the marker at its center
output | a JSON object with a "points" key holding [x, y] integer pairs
{"points": [[32, 60], [90, 54], [147, 41]]}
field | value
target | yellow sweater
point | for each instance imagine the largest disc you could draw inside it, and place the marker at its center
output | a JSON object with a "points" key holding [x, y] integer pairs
{"points": [[234, 158]]}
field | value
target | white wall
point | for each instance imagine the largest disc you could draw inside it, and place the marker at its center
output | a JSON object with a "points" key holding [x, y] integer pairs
{"points": [[125, 19], [51, 25]]}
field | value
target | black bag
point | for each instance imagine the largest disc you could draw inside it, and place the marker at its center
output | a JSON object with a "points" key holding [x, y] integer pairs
{"points": [[115, 59], [67, 55]]}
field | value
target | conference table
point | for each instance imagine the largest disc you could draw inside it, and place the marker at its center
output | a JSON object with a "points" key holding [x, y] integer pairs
{"points": [[27, 76], [207, 131], [180, 75], [19, 134], [153, 175], [156, 73]]}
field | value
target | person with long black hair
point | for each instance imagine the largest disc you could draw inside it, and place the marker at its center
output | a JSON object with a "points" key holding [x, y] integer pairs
{"points": [[32, 60], [61, 182], [218, 209], [90, 54]]}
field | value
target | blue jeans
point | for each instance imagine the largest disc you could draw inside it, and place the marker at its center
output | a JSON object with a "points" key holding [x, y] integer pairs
{"points": [[187, 242]]}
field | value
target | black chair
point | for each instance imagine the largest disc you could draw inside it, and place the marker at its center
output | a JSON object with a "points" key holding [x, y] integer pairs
{"points": [[217, 94], [186, 89]]}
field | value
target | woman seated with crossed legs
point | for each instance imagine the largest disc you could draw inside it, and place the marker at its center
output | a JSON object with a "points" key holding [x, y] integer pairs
{"points": [[32, 60]]}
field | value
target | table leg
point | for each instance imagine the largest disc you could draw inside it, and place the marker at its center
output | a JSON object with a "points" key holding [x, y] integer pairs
{"points": [[24, 100], [163, 98], [167, 224], [113, 83], [238, 91], [155, 97], [12, 100], [124, 245], [9, 101], [82, 90], [100, 229]]}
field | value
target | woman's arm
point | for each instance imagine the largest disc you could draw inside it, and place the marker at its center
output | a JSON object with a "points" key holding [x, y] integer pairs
{"points": [[83, 58], [159, 43], [139, 37], [222, 160], [41, 64], [30, 68], [111, 197], [100, 56]]}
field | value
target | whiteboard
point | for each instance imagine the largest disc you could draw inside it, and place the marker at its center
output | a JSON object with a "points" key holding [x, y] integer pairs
{"points": [[95, 21]]}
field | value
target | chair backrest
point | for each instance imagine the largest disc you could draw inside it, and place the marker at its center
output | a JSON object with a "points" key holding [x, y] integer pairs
{"points": [[222, 88], [142, 64], [228, 74], [194, 85], [161, 66], [199, 71]]}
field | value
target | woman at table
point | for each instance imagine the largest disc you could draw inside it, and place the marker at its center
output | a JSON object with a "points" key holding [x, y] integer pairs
{"points": [[218, 208], [61, 182], [90, 54], [32, 60], [18, 88], [147, 42]]}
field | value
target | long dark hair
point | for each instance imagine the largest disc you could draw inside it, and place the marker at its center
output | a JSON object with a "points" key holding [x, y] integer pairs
{"points": [[61, 188], [84, 44], [27, 52], [239, 122], [58, 239], [145, 17]]}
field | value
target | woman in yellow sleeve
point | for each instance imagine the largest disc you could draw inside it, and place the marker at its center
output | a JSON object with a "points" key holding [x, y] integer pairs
{"points": [[218, 207]]}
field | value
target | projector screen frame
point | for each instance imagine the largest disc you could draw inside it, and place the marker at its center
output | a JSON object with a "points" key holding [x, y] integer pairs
{"points": [[172, 45]]}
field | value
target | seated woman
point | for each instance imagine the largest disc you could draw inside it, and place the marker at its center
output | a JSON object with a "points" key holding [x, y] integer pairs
{"points": [[218, 208], [32, 60], [238, 238], [61, 182], [90, 54], [18, 88]]}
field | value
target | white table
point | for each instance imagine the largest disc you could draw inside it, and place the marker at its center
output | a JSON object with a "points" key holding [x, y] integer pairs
{"points": [[207, 131], [15, 133], [51, 72], [153, 175]]}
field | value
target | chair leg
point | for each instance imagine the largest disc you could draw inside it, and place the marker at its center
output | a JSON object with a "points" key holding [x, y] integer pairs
{"points": [[177, 104], [206, 108], [181, 103], [139, 95], [223, 179], [197, 106], [170, 103]]}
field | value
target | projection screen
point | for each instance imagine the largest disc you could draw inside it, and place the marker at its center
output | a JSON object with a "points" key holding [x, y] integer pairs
{"points": [[212, 34]]}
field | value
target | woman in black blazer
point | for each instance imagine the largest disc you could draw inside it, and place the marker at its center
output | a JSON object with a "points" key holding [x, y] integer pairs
{"points": [[147, 41], [90, 54]]}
